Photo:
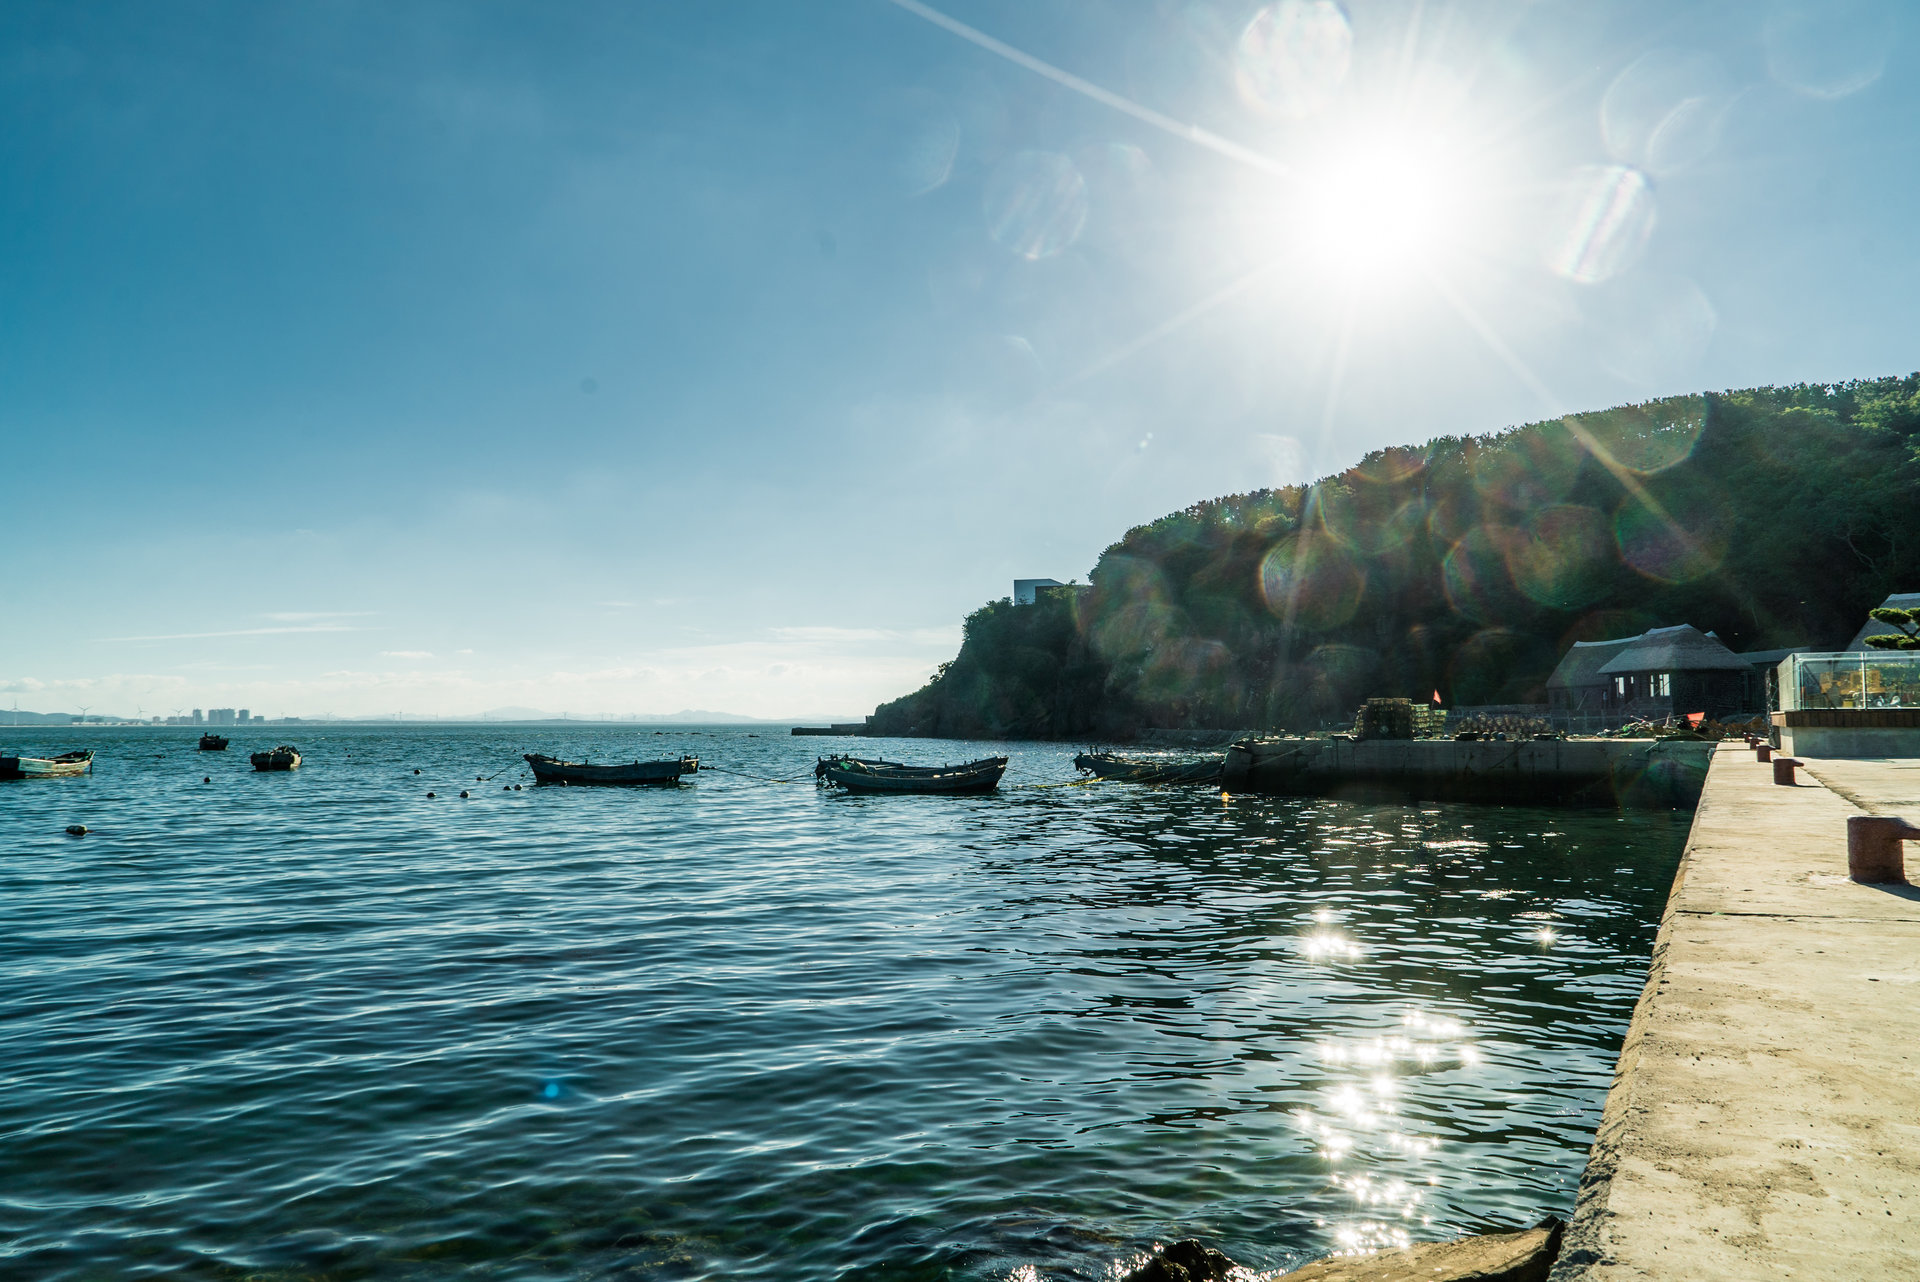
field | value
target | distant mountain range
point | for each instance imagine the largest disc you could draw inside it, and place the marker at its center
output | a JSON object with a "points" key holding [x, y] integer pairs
{"points": [[684, 717]]}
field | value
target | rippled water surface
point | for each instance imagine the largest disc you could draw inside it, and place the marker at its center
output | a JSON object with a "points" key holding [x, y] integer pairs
{"points": [[315, 1025]]}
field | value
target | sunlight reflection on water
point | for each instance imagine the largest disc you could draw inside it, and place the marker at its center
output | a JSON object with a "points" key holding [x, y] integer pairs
{"points": [[283, 1026]]}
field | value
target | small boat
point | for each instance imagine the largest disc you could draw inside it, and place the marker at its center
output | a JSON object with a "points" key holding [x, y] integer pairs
{"points": [[553, 770], [862, 774], [1194, 770], [67, 763], [285, 757], [212, 743]]}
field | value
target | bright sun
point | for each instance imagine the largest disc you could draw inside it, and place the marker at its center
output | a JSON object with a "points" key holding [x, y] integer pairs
{"points": [[1379, 209]]}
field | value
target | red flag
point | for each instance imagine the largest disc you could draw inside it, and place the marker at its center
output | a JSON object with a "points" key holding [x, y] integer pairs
{"points": [[1436, 696], [1695, 718]]}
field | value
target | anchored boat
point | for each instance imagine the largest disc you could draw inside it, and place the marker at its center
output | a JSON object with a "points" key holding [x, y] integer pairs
{"points": [[861, 774], [67, 763], [553, 770], [285, 757], [1194, 770], [212, 743]]}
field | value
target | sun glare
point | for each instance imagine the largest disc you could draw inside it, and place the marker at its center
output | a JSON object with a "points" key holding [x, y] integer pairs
{"points": [[1380, 209]]}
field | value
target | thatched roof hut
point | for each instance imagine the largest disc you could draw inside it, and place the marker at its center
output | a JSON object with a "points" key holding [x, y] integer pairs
{"points": [[1682, 648]]}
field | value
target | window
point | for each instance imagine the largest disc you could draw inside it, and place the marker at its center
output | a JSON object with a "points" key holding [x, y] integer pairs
{"points": [[1663, 683]]}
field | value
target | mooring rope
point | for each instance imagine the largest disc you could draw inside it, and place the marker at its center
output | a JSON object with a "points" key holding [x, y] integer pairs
{"points": [[725, 770]]}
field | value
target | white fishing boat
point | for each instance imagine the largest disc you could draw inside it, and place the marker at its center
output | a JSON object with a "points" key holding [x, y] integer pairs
{"points": [[67, 763]]}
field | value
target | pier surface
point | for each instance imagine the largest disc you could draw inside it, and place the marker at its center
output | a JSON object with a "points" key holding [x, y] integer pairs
{"points": [[1764, 1121]]}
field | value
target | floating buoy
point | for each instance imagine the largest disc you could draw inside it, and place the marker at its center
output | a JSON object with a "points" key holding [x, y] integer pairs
{"points": [[463, 792], [76, 830], [431, 796], [206, 778], [516, 787], [506, 787], [479, 778], [416, 772]]}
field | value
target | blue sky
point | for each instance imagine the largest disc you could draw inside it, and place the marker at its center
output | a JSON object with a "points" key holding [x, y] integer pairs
{"points": [[362, 358]]}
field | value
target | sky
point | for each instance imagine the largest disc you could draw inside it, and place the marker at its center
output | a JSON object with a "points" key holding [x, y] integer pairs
{"points": [[613, 358]]}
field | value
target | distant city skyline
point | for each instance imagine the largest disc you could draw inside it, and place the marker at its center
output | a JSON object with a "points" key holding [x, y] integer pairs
{"points": [[434, 359]]}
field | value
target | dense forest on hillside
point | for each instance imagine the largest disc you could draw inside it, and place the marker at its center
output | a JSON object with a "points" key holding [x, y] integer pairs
{"points": [[1774, 516]]}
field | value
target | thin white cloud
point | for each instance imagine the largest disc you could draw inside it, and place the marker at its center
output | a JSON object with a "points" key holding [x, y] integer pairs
{"points": [[406, 654], [845, 636], [314, 616], [240, 632]]}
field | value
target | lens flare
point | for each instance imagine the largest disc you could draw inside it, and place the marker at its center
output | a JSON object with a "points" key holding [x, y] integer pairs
{"points": [[1475, 576], [1369, 523], [1293, 57], [1644, 439], [1664, 112], [1312, 582], [1036, 204], [1526, 472], [1662, 548], [1564, 559], [1606, 216], [1828, 48], [926, 156]]}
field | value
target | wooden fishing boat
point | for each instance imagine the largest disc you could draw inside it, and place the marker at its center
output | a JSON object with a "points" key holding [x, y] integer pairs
{"points": [[862, 774], [1189, 770], [67, 763], [285, 757], [212, 743], [553, 770]]}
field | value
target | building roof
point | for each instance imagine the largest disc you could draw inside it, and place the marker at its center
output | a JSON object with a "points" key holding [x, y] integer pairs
{"points": [[1580, 665], [1873, 627], [1682, 648], [1770, 658]]}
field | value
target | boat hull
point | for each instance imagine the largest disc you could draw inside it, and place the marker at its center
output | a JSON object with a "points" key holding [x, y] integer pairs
{"points": [[1105, 765], [277, 759], [551, 770], [212, 743], [859, 775], [66, 765]]}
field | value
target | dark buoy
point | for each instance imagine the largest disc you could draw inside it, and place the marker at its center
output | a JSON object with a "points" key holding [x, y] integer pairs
{"points": [[516, 787], [431, 796], [506, 787], [206, 778], [76, 830], [463, 792], [479, 778], [416, 772]]}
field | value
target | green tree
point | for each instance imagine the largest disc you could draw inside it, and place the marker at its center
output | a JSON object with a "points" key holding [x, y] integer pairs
{"points": [[1907, 638]]}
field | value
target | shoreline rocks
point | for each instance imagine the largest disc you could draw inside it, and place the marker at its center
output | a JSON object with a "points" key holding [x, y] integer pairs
{"points": [[1525, 1256]]}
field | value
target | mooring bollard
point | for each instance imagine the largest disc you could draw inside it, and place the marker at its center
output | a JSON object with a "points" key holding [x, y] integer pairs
{"points": [[1783, 770], [1874, 852], [1763, 752]]}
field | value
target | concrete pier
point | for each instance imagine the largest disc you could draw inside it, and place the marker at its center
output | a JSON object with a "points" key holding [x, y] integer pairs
{"points": [[1764, 1120], [1613, 772]]}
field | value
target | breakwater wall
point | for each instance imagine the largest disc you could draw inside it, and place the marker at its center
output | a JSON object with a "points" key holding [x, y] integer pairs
{"points": [[1762, 1119], [1639, 773]]}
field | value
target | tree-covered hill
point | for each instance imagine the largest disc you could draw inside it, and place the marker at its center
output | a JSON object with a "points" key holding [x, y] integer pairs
{"points": [[1774, 516]]}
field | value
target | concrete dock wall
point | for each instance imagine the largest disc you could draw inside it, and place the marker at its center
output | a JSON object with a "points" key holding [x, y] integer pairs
{"points": [[1764, 1119], [1625, 772]]}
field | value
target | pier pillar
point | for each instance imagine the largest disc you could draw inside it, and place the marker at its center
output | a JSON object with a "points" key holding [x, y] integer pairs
{"points": [[1874, 850], [1763, 752], [1783, 768]]}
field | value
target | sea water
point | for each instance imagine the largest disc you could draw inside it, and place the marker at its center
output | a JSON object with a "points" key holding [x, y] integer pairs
{"points": [[318, 1025]]}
